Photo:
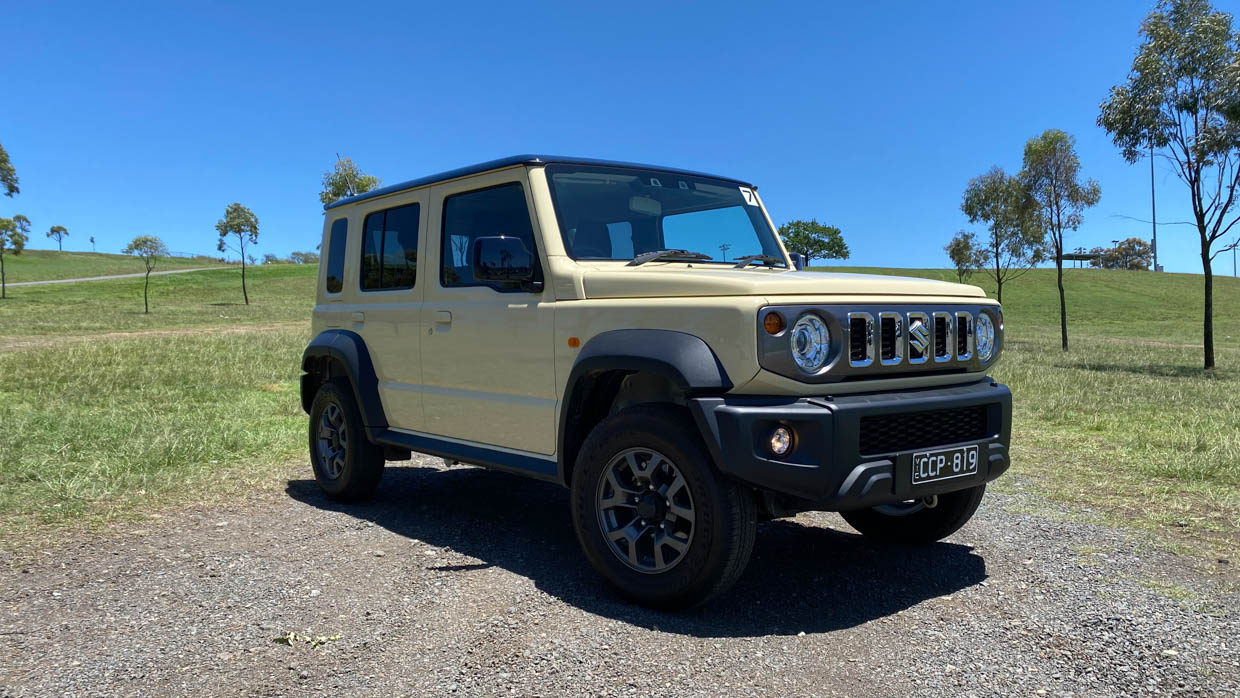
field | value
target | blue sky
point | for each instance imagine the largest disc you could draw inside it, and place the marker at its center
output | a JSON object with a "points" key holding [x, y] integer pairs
{"points": [[143, 118]]}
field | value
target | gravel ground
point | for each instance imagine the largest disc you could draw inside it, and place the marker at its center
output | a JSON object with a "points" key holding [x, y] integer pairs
{"points": [[466, 582]]}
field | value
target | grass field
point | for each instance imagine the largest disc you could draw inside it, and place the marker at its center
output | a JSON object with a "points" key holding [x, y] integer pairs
{"points": [[108, 412], [44, 265]]}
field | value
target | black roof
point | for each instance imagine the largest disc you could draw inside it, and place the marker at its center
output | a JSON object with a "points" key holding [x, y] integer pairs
{"points": [[509, 162]]}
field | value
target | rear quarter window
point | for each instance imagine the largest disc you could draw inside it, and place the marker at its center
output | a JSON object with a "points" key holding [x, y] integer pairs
{"points": [[337, 243]]}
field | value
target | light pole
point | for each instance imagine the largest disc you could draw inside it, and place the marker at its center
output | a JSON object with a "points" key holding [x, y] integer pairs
{"points": [[1154, 211]]}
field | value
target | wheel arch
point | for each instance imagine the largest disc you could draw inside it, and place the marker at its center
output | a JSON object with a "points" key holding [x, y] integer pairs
{"points": [[673, 365], [335, 353]]}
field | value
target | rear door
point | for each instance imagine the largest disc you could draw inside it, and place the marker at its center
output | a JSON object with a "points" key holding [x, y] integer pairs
{"points": [[388, 312]]}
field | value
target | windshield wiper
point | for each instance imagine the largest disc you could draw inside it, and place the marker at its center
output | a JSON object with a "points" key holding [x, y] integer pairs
{"points": [[742, 262], [667, 254]]}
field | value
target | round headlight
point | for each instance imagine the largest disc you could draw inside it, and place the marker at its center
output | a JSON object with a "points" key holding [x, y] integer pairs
{"points": [[985, 337], [811, 343]]}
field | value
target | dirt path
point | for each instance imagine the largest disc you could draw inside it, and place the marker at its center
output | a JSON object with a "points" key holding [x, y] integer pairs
{"points": [[465, 582], [40, 341], [110, 277]]}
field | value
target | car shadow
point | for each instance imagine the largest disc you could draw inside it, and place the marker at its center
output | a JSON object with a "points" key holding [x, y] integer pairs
{"points": [[801, 578]]}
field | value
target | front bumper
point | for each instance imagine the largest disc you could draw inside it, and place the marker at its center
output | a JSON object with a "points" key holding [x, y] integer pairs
{"points": [[856, 451]]}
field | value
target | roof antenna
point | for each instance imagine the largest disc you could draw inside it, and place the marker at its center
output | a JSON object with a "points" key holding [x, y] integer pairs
{"points": [[352, 189]]}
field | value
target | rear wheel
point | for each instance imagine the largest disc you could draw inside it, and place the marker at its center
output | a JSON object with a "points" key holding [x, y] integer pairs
{"points": [[346, 464], [922, 520], [652, 514]]}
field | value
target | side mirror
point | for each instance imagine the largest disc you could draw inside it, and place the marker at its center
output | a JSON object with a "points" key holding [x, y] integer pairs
{"points": [[798, 260], [502, 258]]}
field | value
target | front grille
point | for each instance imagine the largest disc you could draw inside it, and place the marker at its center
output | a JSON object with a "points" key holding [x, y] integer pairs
{"points": [[889, 433], [940, 338]]}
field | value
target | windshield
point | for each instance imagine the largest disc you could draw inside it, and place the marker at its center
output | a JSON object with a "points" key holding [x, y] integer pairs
{"points": [[619, 213]]}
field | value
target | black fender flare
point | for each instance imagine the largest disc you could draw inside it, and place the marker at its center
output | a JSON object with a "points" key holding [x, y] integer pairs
{"points": [[349, 349], [685, 359]]}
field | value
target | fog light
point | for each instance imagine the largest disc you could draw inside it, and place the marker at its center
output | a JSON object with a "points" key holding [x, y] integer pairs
{"points": [[781, 441]]}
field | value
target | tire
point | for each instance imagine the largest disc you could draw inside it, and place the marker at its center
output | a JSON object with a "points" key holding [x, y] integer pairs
{"points": [[706, 524], [336, 425], [920, 524]]}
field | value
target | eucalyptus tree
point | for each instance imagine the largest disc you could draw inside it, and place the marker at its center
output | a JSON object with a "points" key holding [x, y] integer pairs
{"points": [[150, 249], [965, 255], [345, 180], [8, 174], [59, 233], [1016, 241], [238, 222], [813, 240], [1052, 175], [1181, 101], [12, 242]]}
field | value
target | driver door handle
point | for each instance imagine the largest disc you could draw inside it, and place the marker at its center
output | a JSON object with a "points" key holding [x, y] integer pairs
{"points": [[443, 317]]}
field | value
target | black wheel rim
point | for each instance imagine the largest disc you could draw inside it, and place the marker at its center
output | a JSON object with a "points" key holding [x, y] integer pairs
{"points": [[333, 442], [645, 510]]}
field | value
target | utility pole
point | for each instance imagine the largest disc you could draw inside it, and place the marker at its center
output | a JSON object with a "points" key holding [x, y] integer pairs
{"points": [[1153, 210]]}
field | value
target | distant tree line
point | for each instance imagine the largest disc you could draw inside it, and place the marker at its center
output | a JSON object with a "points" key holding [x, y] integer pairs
{"points": [[293, 258]]}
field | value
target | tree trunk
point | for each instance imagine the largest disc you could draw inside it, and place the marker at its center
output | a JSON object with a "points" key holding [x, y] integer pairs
{"points": [[146, 287], [3, 290], [1208, 326], [1063, 305], [245, 294], [60, 244]]}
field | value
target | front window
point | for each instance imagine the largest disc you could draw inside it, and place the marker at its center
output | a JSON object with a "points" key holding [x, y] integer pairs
{"points": [[619, 213]]}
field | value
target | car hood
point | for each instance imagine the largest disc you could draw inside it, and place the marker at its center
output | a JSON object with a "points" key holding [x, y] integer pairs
{"points": [[682, 280]]}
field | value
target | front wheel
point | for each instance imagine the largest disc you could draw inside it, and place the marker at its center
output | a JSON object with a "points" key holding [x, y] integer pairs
{"points": [[652, 514], [923, 520]]}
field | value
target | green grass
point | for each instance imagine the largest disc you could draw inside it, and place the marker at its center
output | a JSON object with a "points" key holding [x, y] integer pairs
{"points": [[108, 412], [278, 293], [94, 430], [43, 265]]}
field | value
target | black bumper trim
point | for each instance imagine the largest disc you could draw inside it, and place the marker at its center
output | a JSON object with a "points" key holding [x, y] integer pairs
{"points": [[825, 469]]}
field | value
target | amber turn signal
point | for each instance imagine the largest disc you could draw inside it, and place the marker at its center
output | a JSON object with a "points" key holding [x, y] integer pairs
{"points": [[574, 342], [773, 323]]}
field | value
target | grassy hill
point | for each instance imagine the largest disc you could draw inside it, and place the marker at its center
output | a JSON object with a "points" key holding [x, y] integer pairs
{"points": [[44, 265], [108, 411]]}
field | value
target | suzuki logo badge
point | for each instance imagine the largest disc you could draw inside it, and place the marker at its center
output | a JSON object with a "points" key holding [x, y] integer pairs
{"points": [[919, 336]]}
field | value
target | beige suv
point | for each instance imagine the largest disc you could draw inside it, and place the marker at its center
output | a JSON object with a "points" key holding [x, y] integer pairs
{"points": [[639, 335]]}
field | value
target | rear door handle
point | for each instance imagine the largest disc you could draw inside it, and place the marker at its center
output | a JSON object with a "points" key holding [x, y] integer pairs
{"points": [[359, 317], [443, 317]]}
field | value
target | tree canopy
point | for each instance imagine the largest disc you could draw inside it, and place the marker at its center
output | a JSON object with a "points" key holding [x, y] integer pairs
{"points": [[1016, 238], [345, 180], [813, 240], [13, 235], [1182, 99], [8, 174], [59, 233], [1134, 254], [965, 255]]}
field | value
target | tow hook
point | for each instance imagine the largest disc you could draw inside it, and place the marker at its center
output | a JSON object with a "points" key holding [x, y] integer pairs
{"points": [[931, 502]]}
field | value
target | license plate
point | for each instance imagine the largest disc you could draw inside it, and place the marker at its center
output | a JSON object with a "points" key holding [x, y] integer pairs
{"points": [[945, 464]]}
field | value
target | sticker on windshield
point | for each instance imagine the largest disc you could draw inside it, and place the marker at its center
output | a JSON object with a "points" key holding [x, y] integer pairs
{"points": [[750, 197], [684, 185], [654, 182]]}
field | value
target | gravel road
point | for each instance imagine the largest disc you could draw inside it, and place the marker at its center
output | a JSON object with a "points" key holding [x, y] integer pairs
{"points": [[465, 582]]}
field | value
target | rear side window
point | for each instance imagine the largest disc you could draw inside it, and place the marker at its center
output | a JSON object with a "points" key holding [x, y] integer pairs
{"points": [[336, 246], [390, 248], [498, 211]]}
